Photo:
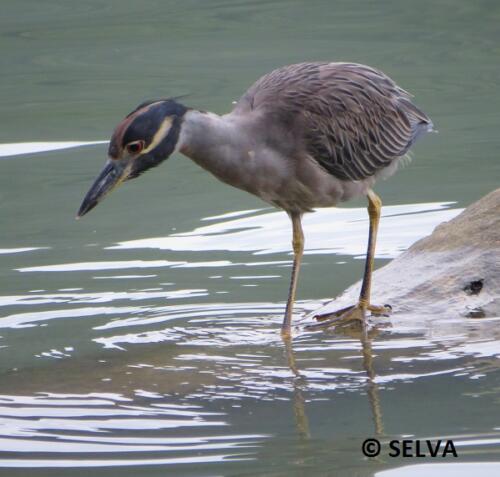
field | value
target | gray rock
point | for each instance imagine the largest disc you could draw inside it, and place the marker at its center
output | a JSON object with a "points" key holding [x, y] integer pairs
{"points": [[453, 272]]}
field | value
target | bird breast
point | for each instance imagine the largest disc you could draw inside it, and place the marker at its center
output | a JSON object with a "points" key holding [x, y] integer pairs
{"points": [[300, 184], [240, 156]]}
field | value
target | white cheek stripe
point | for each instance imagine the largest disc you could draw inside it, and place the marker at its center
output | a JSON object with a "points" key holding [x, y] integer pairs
{"points": [[160, 134]]}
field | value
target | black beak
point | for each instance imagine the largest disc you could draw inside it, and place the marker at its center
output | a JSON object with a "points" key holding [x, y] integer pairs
{"points": [[113, 174]]}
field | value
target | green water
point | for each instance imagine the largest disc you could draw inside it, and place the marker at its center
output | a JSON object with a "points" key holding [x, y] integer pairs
{"points": [[163, 357]]}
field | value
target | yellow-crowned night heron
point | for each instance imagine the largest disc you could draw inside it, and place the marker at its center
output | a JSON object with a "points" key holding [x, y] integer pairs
{"points": [[303, 136]]}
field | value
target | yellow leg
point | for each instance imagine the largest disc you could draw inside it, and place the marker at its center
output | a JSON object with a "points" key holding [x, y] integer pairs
{"points": [[374, 207], [298, 249], [357, 312]]}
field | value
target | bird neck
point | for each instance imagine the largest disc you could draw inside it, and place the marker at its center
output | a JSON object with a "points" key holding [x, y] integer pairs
{"points": [[219, 144]]}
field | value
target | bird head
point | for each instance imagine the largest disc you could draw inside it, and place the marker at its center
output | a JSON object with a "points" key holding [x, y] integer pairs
{"points": [[145, 138]]}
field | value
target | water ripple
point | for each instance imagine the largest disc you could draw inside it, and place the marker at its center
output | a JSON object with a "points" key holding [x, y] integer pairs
{"points": [[15, 149], [93, 424], [400, 227]]}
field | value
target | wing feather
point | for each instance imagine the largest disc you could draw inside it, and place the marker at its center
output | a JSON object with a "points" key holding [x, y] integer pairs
{"points": [[352, 119]]}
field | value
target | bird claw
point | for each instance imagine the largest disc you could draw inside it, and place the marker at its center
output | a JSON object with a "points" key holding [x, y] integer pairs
{"points": [[347, 315], [334, 314], [377, 310]]}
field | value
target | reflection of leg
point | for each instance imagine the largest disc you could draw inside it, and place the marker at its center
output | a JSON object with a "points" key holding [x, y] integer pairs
{"points": [[372, 388], [298, 399], [290, 356], [299, 410], [298, 249], [357, 312]]}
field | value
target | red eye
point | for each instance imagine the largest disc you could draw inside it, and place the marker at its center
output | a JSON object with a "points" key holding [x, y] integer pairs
{"points": [[135, 147]]}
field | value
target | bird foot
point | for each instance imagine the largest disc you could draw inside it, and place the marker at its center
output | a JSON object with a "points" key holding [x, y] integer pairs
{"points": [[353, 313]]}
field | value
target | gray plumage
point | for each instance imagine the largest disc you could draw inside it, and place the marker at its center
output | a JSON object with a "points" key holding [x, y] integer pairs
{"points": [[308, 135], [303, 136], [352, 119]]}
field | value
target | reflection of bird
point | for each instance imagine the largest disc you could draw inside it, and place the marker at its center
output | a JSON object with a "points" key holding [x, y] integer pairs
{"points": [[303, 136]]}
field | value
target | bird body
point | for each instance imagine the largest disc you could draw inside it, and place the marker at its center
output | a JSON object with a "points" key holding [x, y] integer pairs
{"points": [[232, 152], [242, 161], [299, 138], [303, 136]]}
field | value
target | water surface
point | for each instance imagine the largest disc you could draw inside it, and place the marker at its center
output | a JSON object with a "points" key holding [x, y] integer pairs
{"points": [[144, 338]]}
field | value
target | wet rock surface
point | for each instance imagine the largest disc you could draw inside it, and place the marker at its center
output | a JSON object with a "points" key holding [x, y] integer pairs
{"points": [[453, 272]]}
